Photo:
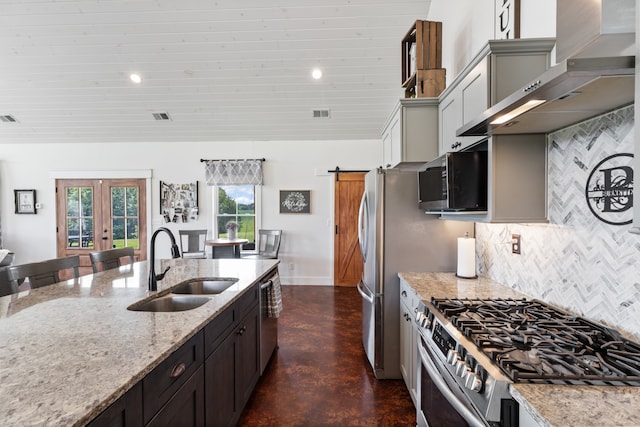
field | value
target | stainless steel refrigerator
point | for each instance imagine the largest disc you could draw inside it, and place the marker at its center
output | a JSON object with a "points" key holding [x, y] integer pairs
{"points": [[396, 236]]}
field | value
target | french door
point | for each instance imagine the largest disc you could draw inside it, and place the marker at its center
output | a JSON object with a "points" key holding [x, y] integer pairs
{"points": [[99, 214]]}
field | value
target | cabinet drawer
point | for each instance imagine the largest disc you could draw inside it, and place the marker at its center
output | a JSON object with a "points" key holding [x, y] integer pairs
{"points": [[408, 296], [186, 407], [165, 380], [246, 302], [218, 329]]}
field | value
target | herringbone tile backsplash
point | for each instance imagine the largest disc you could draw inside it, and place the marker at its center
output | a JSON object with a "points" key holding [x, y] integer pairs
{"points": [[576, 261]]}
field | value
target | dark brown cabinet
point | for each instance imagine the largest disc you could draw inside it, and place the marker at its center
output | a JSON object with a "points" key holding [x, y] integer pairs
{"points": [[166, 380], [233, 368], [207, 381], [124, 412], [186, 406]]}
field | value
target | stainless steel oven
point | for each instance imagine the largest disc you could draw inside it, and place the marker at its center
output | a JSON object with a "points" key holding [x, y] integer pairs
{"points": [[455, 388], [437, 403], [472, 350]]}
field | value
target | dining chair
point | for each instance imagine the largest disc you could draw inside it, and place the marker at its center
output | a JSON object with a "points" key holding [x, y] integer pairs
{"points": [[43, 273], [5, 285], [192, 243], [268, 244], [110, 258]]}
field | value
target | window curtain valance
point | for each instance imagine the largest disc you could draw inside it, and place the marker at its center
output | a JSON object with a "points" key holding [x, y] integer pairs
{"points": [[233, 172]]}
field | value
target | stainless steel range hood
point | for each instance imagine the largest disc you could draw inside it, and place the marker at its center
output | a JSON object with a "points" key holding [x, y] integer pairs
{"points": [[570, 92], [599, 37]]}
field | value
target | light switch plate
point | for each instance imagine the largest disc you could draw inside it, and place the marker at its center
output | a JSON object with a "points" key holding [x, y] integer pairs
{"points": [[515, 244]]}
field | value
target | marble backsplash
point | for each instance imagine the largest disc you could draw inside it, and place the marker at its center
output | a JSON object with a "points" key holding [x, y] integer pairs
{"points": [[576, 260]]}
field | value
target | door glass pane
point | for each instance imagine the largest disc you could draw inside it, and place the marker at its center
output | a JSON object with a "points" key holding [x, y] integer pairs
{"points": [[79, 232], [132, 202], [73, 206], [86, 195], [117, 201], [124, 213]]}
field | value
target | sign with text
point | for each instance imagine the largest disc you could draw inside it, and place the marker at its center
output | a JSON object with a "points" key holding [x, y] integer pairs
{"points": [[507, 19], [609, 189]]}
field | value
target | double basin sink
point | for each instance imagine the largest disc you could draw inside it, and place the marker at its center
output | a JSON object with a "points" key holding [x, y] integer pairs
{"points": [[186, 295]]}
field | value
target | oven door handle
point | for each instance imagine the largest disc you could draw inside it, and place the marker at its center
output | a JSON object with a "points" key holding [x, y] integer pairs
{"points": [[436, 377]]}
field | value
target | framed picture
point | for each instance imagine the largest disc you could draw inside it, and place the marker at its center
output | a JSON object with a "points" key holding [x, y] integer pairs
{"points": [[178, 200], [25, 201], [295, 201]]}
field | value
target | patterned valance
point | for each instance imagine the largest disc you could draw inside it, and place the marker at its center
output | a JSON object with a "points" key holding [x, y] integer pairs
{"points": [[233, 172]]}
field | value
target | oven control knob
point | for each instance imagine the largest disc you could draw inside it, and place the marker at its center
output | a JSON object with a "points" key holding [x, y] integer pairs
{"points": [[452, 357], [461, 367], [473, 382]]}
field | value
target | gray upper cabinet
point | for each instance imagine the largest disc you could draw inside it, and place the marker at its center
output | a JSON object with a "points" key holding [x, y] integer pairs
{"points": [[517, 180], [499, 69], [410, 134]]}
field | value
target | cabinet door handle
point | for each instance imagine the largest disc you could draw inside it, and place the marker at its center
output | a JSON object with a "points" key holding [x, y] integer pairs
{"points": [[404, 294], [178, 370], [241, 330]]}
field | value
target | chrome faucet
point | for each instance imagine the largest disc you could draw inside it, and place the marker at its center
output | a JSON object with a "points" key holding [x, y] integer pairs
{"points": [[175, 253]]}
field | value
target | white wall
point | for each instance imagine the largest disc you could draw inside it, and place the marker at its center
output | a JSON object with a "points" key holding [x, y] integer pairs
{"points": [[308, 239], [468, 24]]}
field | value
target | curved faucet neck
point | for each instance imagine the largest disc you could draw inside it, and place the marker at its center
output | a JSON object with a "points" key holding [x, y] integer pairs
{"points": [[175, 253]]}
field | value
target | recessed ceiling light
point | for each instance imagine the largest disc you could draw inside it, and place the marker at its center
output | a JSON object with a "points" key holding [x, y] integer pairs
{"points": [[316, 73], [135, 78]]}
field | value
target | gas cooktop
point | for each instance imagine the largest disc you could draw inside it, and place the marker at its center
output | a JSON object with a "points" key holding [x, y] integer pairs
{"points": [[531, 341]]}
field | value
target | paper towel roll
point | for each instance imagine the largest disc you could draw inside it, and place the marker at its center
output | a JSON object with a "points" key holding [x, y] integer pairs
{"points": [[466, 257]]}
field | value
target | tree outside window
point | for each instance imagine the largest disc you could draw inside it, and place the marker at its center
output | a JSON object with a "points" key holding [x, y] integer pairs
{"points": [[237, 203]]}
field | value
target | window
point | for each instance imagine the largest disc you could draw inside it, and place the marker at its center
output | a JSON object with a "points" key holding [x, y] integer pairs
{"points": [[236, 203]]}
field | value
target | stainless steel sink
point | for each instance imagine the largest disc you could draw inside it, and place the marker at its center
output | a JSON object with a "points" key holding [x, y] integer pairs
{"points": [[204, 286], [170, 303]]}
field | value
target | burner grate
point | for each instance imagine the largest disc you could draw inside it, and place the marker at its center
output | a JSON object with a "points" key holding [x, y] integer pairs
{"points": [[534, 342]]}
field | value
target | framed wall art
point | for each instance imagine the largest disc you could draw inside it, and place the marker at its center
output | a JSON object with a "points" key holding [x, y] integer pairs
{"points": [[25, 201], [295, 201], [178, 201]]}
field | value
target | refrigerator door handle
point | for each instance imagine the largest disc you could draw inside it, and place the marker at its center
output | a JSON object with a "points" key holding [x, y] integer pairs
{"points": [[363, 226], [362, 292]]}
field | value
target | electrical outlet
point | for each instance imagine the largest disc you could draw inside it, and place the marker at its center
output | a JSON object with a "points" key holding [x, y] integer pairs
{"points": [[291, 265], [515, 244]]}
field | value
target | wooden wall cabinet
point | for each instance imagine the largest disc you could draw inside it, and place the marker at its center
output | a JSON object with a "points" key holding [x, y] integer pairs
{"points": [[500, 68], [410, 134], [408, 339]]}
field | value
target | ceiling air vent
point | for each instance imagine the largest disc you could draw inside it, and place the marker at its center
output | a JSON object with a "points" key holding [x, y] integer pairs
{"points": [[321, 114], [8, 119], [161, 116]]}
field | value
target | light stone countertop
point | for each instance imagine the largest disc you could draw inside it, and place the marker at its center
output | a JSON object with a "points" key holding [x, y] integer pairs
{"points": [[69, 350], [548, 405]]}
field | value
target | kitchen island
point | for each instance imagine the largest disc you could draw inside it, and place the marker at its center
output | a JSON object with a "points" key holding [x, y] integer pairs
{"points": [[69, 350], [543, 405]]}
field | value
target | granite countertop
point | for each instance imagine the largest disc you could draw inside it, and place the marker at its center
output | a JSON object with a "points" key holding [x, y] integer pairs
{"points": [[548, 405], [68, 350]]}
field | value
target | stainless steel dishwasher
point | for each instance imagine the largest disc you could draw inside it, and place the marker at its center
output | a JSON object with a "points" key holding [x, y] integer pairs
{"points": [[268, 325]]}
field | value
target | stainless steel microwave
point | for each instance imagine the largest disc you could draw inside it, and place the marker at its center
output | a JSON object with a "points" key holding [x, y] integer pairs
{"points": [[454, 182]]}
